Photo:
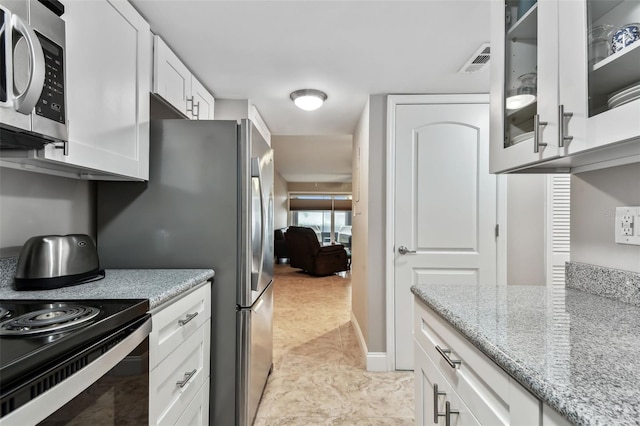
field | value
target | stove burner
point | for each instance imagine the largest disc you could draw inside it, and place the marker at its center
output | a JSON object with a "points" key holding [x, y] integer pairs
{"points": [[55, 319]]}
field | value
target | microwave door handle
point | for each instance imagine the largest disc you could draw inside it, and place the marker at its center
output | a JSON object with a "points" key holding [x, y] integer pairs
{"points": [[26, 101], [5, 37]]}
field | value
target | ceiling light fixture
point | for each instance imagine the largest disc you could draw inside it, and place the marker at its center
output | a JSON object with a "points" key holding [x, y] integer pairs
{"points": [[308, 99]]}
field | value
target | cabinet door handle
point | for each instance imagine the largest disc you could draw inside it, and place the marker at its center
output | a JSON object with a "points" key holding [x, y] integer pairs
{"points": [[562, 120], [536, 133], [445, 354], [187, 319], [190, 108], [187, 376], [448, 412], [436, 394], [63, 145], [196, 110]]}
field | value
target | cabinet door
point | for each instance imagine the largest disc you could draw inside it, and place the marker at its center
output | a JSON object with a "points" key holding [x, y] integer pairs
{"points": [[171, 78], [108, 62], [592, 74], [202, 101], [524, 83]]}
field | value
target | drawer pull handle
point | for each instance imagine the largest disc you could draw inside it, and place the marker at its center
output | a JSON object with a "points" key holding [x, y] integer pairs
{"points": [[436, 394], [187, 376], [448, 412], [189, 318], [445, 354]]}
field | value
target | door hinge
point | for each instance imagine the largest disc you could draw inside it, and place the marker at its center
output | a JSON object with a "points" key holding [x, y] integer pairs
{"points": [[497, 230]]}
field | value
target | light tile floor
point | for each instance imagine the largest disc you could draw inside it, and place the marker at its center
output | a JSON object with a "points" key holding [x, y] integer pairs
{"points": [[319, 375]]}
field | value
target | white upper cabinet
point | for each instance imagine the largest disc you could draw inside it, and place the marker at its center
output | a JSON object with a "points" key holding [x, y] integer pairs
{"points": [[202, 101], [553, 88], [108, 68], [175, 84], [524, 83]]}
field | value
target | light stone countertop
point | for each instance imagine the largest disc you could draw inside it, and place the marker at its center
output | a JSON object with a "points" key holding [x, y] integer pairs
{"points": [[578, 352], [157, 285]]}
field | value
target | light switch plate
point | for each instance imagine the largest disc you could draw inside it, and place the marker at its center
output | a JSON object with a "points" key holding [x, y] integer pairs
{"points": [[628, 225]]}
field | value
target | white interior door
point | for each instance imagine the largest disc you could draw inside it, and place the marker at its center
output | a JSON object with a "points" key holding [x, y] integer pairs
{"points": [[445, 206]]}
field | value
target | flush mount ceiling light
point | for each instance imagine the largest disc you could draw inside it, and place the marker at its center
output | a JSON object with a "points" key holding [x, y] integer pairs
{"points": [[308, 99]]}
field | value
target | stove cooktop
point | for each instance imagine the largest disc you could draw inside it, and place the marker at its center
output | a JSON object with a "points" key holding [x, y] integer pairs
{"points": [[36, 333]]}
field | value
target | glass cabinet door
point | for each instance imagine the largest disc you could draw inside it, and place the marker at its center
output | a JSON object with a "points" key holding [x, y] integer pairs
{"points": [[525, 60], [521, 71], [613, 54]]}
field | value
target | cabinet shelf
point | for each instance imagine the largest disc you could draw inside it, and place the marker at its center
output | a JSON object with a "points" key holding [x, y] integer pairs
{"points": [[616, 71]]}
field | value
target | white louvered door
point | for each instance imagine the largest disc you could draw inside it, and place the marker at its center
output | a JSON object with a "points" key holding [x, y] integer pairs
{"points": [[557, 228]]}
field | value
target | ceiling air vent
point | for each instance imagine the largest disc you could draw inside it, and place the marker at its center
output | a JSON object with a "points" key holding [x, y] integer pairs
{"points": [[478, 61]]}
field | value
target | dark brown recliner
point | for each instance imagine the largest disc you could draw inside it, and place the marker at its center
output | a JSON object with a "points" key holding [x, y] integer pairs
{"points": [[307, 253]]}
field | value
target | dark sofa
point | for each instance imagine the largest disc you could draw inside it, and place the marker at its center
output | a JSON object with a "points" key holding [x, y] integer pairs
{"points": [[307, 254]]}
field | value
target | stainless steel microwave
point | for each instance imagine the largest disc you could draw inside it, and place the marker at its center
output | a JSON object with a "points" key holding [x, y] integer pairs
{"points": [[32, 65]]}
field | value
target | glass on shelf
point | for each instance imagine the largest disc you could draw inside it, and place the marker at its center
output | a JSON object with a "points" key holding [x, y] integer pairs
{"points": [[600, 43]]}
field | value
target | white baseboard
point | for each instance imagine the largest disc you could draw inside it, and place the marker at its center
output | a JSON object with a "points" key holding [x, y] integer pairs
{"points": [[376, 361]]}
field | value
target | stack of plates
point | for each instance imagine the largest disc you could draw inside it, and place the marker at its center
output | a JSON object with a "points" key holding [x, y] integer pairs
{"points": [[521, 138], [628, 94]]}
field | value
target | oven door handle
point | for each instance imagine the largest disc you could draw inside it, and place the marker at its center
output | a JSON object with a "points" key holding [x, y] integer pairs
{"points": [[49, 402]]}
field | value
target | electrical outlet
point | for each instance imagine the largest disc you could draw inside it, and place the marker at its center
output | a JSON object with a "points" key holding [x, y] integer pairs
{"points": [[627, 225]]}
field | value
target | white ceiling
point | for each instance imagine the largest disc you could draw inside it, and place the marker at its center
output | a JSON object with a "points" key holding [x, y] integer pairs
{"points": [[264, 50]]}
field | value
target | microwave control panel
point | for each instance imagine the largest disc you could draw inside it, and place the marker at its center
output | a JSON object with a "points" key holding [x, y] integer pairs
{"points": [[51, 103]]}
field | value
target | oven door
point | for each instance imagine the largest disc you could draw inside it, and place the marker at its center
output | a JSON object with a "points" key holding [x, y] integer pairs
{"points": [[113, 389]]}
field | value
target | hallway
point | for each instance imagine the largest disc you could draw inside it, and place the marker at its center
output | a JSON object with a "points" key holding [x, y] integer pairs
{"points": [[319, 376]]}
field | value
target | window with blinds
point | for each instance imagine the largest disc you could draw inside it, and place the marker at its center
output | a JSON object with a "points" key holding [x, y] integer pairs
{"points": [[329, 215]]}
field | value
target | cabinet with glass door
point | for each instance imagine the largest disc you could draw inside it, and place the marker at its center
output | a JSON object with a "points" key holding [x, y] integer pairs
{"points": [[599, 60], [565, 88], [524, 83]]}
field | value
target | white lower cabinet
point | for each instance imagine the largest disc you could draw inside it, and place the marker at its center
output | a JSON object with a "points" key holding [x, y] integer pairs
{"points": [[449, 369], [179, 360], [197, 413]]}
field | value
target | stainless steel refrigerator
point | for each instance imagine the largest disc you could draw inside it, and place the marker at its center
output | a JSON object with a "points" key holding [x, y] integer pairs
{"points": [[208, 204]]}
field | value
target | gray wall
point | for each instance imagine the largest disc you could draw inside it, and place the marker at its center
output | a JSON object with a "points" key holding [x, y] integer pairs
{"points": [[280, 204], [39, 204], [594, 197], [525, 229], [369, 230]]}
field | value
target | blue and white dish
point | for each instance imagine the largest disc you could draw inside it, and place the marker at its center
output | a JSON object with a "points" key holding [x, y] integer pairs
{"points": [[625, 36]]}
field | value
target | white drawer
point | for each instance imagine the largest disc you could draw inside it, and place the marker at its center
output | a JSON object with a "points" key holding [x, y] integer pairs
{"points": [[428, 380], [173, 323], [167, 398], [482, 385], [197, 413]]}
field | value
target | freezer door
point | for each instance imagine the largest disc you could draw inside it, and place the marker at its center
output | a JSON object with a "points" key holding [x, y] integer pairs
{"points": [[255, 354]]}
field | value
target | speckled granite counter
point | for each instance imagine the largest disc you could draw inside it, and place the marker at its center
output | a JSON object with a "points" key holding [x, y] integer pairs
{"points": [[157, 285], [578, 352]]}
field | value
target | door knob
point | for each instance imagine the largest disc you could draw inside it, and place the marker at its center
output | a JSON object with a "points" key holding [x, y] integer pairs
{"points": [[404, 250]]}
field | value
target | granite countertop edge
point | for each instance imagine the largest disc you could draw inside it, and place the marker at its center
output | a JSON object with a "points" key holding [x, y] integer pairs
{"points": [[548, 393], [157, 285]]}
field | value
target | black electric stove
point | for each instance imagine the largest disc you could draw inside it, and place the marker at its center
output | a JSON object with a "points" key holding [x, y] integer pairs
{"points": [[38, 336]]}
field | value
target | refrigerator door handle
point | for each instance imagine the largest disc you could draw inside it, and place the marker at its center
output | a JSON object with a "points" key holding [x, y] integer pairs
{"points": [[256, 264]]}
